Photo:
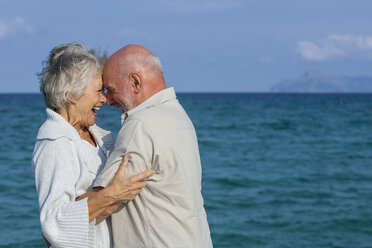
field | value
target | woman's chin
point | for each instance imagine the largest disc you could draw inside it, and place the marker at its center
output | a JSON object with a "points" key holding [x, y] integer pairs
{"points": [[93, 120], [91, 123]]}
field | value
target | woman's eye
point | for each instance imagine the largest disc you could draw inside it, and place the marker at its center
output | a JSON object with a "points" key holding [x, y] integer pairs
{"points": [[102, 91]]}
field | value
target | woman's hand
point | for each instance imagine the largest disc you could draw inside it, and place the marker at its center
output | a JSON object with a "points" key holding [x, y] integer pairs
{"points": [[122, 187], [108, 212]]}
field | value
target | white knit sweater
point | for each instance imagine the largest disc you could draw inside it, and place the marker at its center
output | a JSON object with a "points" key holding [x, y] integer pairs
{"points": [[64, 169]]}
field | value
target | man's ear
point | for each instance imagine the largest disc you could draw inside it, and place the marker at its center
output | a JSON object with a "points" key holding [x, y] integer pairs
{"points": [[136, 82]]}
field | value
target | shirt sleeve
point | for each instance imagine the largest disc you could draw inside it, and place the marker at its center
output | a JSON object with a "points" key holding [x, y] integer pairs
{"points": [[64, 221], [134, 140]]}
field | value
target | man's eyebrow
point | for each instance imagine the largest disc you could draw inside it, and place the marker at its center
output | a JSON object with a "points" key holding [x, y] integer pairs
{"points": [[109, 88]]}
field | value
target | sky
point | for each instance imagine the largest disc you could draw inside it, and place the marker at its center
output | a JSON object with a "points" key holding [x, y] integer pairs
{"points": [[204, 45]]}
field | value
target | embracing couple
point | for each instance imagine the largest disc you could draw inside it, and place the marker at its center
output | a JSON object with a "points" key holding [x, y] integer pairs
{"points": [[144, 190]]}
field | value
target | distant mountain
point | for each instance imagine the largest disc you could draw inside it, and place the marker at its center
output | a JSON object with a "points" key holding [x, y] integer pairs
{"points": [[324, 82]]}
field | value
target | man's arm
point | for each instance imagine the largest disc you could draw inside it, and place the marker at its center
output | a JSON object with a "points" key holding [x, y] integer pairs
{"points": [[135, 140]]}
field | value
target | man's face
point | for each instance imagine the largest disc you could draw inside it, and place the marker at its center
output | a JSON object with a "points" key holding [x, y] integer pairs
{"points": [[119, 92]]}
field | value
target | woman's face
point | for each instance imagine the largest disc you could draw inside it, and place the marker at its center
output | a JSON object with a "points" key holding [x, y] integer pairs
{"points": [[89, 102]]}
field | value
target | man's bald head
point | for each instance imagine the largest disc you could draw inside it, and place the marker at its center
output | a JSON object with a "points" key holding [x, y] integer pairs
{"points": [[136, 73], [135, 58]]}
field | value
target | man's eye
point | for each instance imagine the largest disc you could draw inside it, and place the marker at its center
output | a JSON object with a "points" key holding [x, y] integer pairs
{"points": [[105, 91], [111, 91]]}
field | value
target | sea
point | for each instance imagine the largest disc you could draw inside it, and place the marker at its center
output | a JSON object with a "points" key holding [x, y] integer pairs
{"points": [[279, 170]]}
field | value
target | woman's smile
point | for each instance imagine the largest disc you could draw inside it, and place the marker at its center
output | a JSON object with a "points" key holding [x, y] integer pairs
{"points": [[94, 109], [89, 103]]}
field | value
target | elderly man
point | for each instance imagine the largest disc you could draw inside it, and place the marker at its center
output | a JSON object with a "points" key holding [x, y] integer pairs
{"points": [[156, 133]]}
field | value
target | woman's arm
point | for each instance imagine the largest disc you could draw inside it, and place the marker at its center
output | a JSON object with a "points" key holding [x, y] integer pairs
{"points": [[102, 202], [56, 168], [105, 213]]}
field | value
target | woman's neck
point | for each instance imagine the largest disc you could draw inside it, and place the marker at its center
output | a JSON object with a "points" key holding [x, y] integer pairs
{"points": [[70, 117]]}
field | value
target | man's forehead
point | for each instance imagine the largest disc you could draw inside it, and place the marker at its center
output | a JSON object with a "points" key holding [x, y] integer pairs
{"points": [[107, 83], [110, 71], [108, 75]]}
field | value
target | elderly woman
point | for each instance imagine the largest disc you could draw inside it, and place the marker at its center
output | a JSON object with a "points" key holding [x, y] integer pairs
{"points": [[71, 150]]}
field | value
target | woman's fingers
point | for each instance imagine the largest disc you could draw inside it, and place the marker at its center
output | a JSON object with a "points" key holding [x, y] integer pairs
{"points": [[138, 185], [141, 176], [124, 187], [123, 165], [135, 193], [120, 175]]}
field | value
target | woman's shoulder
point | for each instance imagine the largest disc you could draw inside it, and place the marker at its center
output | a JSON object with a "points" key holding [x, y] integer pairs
{"points": [[53, 154], [56, 127], [60, 144]]}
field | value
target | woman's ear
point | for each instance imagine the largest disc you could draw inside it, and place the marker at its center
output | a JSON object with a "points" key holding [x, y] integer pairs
{"points": [[71, 99], [136, 82]]}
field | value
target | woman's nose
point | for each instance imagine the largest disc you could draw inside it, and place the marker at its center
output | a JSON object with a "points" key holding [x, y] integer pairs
{"points": [[108, 99], [103, 97]]}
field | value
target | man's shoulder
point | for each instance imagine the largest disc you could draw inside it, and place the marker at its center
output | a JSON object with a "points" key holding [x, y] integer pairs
{"points": [[161, 114], [157, 121]]}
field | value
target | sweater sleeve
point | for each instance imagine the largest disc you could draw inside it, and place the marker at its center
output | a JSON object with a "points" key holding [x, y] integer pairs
{"points": [[64, 222]]}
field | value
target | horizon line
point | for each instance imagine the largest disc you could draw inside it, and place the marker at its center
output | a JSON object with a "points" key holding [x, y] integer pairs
{"points": [[217, 92]]}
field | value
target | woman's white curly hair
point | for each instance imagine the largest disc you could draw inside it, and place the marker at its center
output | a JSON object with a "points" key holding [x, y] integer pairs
{"points": [[67, 73]]}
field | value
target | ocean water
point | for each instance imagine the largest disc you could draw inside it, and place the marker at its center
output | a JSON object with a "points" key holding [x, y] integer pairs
{"points": [[279, 170]]}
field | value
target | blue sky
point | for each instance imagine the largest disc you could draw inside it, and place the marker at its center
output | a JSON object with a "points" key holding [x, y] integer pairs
{"points": [[205, 45]]}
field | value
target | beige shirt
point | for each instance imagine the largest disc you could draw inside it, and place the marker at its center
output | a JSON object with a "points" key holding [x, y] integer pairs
{"points": [[169, 212]]}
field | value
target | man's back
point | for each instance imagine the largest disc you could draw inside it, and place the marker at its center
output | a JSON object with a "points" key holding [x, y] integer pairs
{"points": [[169, 212]]}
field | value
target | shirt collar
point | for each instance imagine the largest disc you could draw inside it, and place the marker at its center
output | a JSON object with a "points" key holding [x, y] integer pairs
{"points": [[56, 126], [156, 99]]}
